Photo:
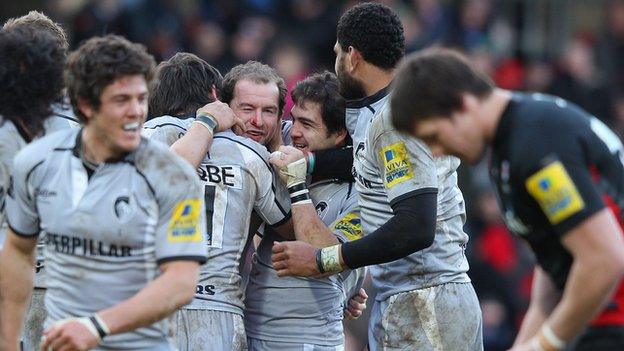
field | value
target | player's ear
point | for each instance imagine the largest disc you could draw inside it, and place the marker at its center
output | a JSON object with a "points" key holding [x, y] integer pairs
{"points": [[213, 93], [354, 58], [85, 108]]}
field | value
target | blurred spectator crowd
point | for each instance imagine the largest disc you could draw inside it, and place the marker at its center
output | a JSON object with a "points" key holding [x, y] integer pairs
{"points": [[296, 37]]}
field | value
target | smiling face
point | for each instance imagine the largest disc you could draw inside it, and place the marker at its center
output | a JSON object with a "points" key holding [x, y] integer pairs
{"points": [[309, 132], [257, 104], [118, 121]]}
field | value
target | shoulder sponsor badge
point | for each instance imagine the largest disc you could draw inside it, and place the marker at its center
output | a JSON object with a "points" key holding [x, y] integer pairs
{"points": [[397, 167], [350, 225], [184, 223], [555, 191]]}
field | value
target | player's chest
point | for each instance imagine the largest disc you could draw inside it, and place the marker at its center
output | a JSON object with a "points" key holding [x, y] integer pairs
{"points": [[512, 199], [108, 206]]}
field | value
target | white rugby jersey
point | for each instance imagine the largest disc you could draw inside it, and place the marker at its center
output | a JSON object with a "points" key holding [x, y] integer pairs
{"points": [[387, 166], [305, 310], [13, 140], [106, 234], [237, 180]]}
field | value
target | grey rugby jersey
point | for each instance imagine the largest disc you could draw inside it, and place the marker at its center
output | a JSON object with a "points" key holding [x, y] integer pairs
{"points": [[106, 235], [237, 180], [305, 310], [13, 140], [389, 165]]}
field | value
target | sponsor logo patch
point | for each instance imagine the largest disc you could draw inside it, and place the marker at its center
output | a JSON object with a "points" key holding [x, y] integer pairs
{"points": [[350, 225], [555, 192], [184, 223], [397, 167]]}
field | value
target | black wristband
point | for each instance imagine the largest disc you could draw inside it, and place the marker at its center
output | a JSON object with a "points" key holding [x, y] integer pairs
{"points": [[301, 197], [319, 261], [297, 187], [97, 326]]}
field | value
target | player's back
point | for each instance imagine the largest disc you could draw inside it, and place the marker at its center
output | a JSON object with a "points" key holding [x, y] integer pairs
{"points": [[238, 179], [12, 142]]}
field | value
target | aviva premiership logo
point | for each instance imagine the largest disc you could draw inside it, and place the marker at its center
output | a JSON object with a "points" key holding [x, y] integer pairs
{"points": [[397, 167], [184, 223]]}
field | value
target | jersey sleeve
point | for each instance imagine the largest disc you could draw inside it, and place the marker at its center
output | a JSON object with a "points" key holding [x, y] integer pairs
{"points": [[272, 201], [181, 219], [21, 209], [561, 184], [405, 165], [348, 224]]}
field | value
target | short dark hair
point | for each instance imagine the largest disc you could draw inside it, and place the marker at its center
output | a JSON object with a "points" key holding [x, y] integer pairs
{"points": [[322, 88], [258, 73], [431, 83], [375, 31], [182, 84], [40, 21], [99, 62], [31, 76]]}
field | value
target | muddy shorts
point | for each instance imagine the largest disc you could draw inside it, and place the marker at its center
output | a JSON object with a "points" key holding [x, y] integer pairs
{"points": [[209, 330], [446, 317], [264, 345]]}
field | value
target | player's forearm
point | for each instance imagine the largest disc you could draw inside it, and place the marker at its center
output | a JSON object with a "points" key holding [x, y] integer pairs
{"points": [[310, 228], [194, 145], [531, 324], [16, 283], [590, 284], [173, 289]]}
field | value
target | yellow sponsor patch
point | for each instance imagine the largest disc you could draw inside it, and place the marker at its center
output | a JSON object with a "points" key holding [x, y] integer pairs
{"points": [[184, 223], [555, 191], [350, 225], [397, 167]]}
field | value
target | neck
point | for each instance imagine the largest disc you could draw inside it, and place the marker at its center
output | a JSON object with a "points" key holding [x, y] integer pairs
{"points": [[94, 148], [491, 111], [375, 79]]}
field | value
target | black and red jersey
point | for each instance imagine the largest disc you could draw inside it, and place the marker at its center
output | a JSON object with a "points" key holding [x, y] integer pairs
{"points": [[553, 165]]}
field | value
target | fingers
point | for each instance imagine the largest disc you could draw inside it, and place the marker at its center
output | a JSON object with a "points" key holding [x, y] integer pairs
{"points": [[239, 123], [49, 336], [361, 296], [278, 247]]}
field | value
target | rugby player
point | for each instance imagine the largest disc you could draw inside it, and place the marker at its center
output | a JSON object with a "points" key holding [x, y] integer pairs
{"points": [[62, 115], [559, 178], [33, 52], [411, 207], [121, 215], [295, 313], [237, 180]]}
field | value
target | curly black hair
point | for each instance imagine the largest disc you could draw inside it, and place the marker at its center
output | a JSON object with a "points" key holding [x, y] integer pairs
{"points": [[99, 62], [182, 85], [322, 88], [374, 30], [31, 76]]}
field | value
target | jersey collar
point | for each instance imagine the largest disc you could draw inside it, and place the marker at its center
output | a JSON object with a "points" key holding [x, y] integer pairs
{"points": [[127, 157], [369, 100]]}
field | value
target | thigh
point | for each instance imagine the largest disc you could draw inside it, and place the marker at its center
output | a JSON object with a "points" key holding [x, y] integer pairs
{"points": [[443, 317], [33, 322], [209, 330]]}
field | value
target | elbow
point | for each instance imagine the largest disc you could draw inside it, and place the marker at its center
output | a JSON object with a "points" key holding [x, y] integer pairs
{"points": [[186, 283]]}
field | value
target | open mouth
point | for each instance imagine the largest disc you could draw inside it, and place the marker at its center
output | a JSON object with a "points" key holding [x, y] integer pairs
{"points": [[299, 146], [131, 127], [254, 133]]}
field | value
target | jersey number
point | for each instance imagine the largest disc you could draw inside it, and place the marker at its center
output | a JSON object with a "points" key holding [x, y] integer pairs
{"points": [[216, 201]]}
